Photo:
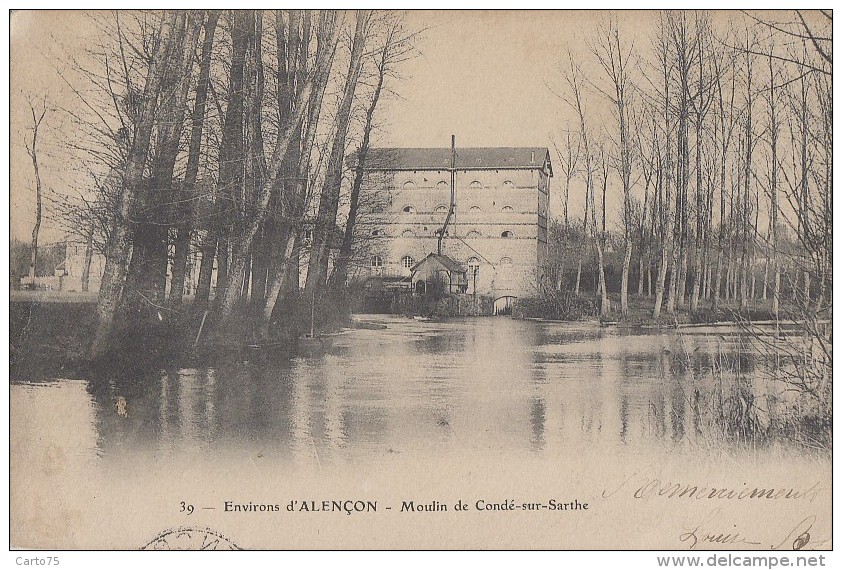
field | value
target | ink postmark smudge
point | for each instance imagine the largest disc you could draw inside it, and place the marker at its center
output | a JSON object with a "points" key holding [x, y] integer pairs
{"points": [[189, 538]]}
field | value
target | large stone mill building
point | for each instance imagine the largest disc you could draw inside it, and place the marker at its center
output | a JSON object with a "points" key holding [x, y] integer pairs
{"points": [[498, 227]]}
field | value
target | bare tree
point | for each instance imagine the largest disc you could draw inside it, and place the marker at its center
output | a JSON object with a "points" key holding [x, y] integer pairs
{"points": [[283, 274], [396, 48], [725, 124], [700, 104], [323, 233], [664, 179], [772, 95], [242, 247], [147, 277], [748, 148], [574, 83], [119, 247], [187, 203], [32, 148], [568, 161], [614, 60]]}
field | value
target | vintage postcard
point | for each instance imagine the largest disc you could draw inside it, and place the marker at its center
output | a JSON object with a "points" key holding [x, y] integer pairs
{"points": [[365, 279]]}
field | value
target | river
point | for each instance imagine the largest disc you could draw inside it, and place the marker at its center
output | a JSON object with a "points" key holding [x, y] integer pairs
{"points": [[408, 406]]}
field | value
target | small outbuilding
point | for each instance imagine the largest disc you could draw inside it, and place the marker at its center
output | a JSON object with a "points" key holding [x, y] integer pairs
{"points": [[439, 273]]}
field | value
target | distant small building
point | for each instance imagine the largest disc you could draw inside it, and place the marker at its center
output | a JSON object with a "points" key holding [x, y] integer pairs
{"points": [[61, 267], [439, 270], [73, 268]]}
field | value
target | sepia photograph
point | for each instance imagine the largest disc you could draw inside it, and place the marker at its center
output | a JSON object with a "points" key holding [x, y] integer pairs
{"points": [[364, 279]]}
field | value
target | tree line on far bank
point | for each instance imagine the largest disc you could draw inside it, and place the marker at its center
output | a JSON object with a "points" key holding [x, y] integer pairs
{"points": [[718, 150]]}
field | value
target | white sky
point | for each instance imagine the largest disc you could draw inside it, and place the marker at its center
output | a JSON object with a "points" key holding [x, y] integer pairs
{"points": [[481, 75]]}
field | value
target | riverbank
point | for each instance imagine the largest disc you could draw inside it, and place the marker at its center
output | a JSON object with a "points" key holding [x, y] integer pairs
{"points": [[567, 307], [50, 332], [48, 335]]}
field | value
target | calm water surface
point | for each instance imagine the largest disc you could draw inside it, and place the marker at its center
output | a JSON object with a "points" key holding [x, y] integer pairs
{"points": [[484, 386]]}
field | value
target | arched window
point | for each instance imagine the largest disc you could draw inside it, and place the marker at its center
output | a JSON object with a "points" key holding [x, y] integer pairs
{"points": [[507, 209], [408, 233], [441, 209], [378, 232], [473, 234], [376, 261], [473, 263], [475, 184], [308, 234], [475, 210], [506, 261], [409, 209], [442, 185], [409, 185], [507, 234], [407, 261], [508, 184]]}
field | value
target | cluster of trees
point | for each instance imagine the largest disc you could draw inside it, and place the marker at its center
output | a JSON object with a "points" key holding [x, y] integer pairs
{"points": [[223, 132], [718, 148]]}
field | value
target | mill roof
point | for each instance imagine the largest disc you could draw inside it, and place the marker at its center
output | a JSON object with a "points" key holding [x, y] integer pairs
{"points": [[476, 158]]}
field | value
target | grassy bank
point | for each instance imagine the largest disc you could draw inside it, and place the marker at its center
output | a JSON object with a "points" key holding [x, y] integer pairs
{"points": [[566, 306], [48, 338], [49, 335]]}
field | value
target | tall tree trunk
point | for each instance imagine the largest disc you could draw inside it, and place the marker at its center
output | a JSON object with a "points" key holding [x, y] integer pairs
{"points": [[664, 182], [230, 200], [190, 194], [147, 277], [119, 243], [89, 256], [33, 154], [323, 232], [340, 270], [773, 191], [285, 263], [584, 250], [256, 169], [720, 252], [641, 266], [275, 171], [744, 285], [697, 259]]}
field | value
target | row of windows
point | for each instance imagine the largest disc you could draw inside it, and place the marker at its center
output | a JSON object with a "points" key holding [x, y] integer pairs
{"points": [[443, 184], [408, 261], [442, 209], [470, 234]]}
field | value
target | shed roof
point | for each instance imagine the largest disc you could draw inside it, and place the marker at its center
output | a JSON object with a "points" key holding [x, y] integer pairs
{"points": [[448, 263], [478, 158]]}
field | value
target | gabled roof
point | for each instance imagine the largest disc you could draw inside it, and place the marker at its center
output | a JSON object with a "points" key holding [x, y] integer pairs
{"points": [[449, 264], [479, 158]]}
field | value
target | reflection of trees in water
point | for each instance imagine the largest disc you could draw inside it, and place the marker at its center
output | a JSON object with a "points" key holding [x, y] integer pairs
{"points": [[726, 390], [189, 409], [624, 417], [537, 419], [136, 421], [468, 382]]}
